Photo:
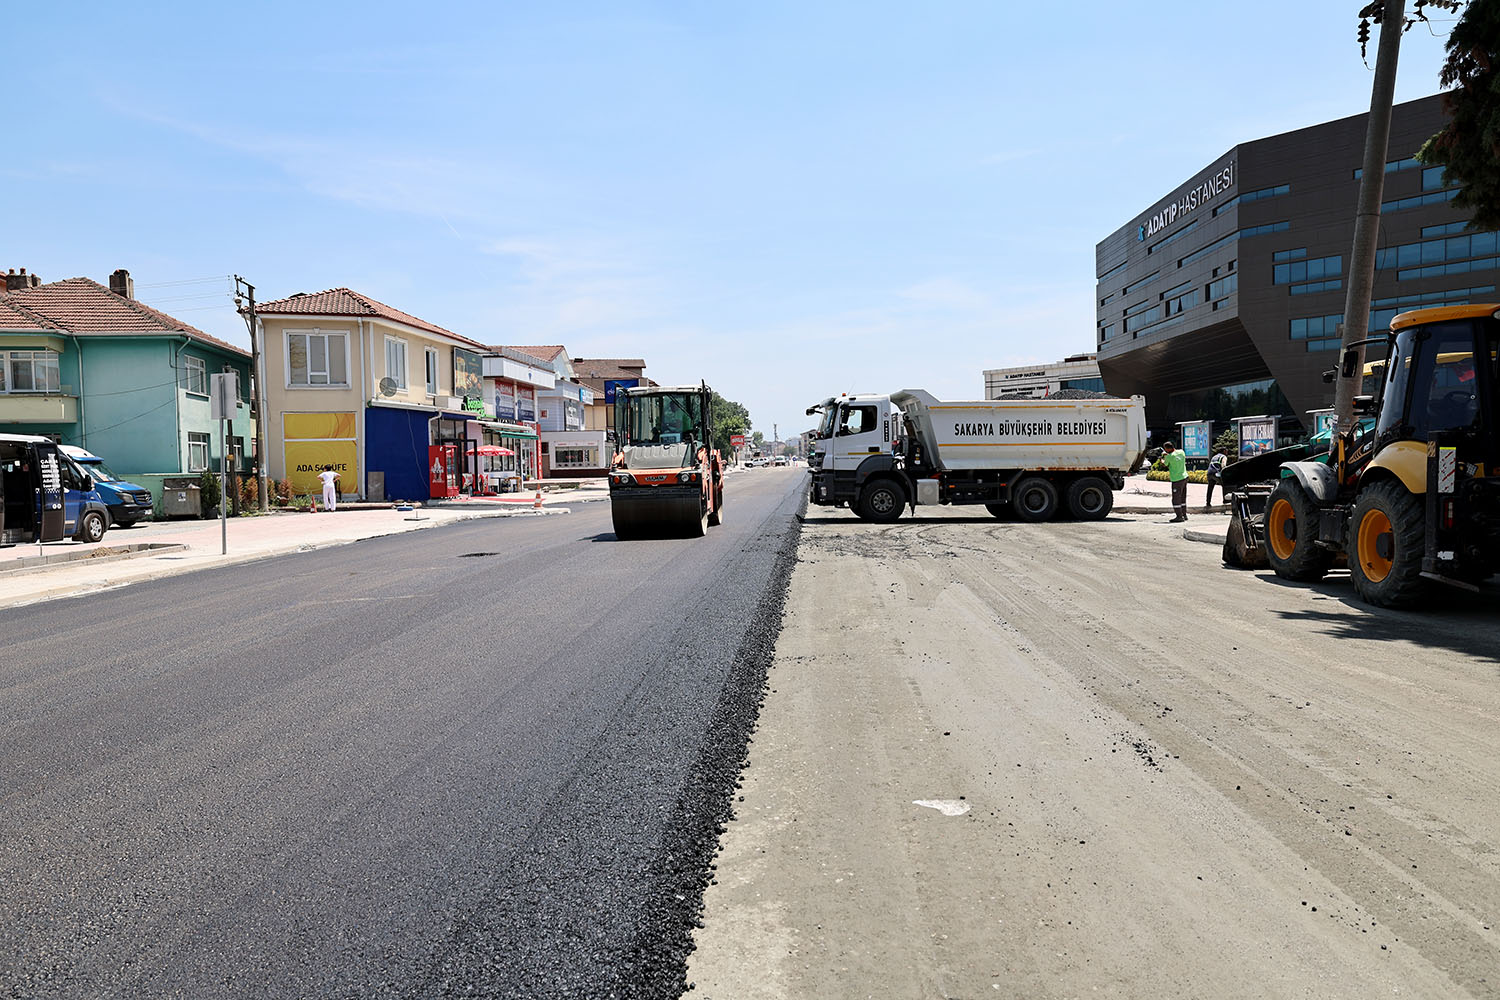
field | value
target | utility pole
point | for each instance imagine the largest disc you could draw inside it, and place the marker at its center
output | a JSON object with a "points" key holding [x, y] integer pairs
{"points": [[1367, 221], [258, 389], [775, 439]]}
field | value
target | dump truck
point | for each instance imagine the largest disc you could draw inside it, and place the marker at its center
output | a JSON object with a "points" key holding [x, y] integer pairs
{"points": [[1413, 502], [1028, 458], [666, 476]]}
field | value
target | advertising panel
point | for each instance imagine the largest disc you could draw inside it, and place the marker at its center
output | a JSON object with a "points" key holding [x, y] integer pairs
{"points": [[737, 440], [311, 441], [525, 403], [1196, 439], [612, 383], [1257, 435], [505, 401], [572, 415], [468, 370]]}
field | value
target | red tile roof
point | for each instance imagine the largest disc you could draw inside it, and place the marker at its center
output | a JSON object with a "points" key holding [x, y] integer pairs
{"points": [[545, 352], [346, 302], [15, 318], [85, 307]]}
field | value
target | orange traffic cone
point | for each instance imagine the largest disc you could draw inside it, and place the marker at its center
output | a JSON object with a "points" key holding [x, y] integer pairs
{"points": [[537, 503], [314, 498]]}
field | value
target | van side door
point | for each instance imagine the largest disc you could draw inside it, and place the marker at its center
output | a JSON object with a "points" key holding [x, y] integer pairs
{"points": [[51, 517]]}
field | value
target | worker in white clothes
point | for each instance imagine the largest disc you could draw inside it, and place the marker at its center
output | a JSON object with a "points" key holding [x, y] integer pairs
{"points": [[330, 491]]}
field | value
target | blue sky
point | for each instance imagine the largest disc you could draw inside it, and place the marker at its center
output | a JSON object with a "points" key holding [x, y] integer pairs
{"points": [[789, 200]]}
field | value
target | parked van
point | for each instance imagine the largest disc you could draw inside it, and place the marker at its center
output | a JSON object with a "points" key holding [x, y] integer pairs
{"points": [[127, 503], [44, 495]]}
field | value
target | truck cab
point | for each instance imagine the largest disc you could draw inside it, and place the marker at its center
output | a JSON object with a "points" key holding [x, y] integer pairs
{"points": [[853, 442], [44, 495], [126, 502]]}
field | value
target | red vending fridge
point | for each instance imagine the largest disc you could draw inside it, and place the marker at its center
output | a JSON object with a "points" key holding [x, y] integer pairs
{"points": [[442, 471]]}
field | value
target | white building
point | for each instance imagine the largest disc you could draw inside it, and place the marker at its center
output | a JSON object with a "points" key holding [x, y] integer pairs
{"points": [[1079, 371]]}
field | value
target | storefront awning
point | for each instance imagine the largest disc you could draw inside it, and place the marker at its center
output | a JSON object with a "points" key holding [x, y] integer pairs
{"points": [[509, 430]]}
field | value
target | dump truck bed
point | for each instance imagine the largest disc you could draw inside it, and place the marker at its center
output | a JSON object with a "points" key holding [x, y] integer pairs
{"points": [[1038, 434]]}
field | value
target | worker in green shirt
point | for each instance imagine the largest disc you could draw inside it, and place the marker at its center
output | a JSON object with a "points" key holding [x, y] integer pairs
{"points": [[1177, 472]]}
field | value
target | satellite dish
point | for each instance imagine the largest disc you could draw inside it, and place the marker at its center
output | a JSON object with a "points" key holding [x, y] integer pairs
{"points": [[388, 387]]}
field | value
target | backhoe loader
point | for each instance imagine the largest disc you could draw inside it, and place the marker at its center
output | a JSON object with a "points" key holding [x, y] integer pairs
{"points": [[1411, 503]]}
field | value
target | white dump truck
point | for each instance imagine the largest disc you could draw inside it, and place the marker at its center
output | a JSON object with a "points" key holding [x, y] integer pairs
{"points": [[1028, 457]]}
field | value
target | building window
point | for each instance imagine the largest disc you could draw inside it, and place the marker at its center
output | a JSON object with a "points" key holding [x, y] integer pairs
{"points": [[575, 456], [1392, 166], [1091, 384], [196, 375], [1316, 286], [1224, 287], [1307, 270], [197, 451], [29, 371], [1418, 200], [1269, 192], [432, 370], [317, 359], [1133, 286], [1313, 327], [1175, 236], [1451, 248], [395, 361], [1296, 254], [1432, 178]]}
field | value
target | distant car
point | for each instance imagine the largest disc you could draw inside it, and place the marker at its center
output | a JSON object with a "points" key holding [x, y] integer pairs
{"points": [[781, 460], [756, 461]]}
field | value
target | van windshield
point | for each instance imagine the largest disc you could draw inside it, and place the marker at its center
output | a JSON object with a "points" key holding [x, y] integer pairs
{"points": [[101, 472]]}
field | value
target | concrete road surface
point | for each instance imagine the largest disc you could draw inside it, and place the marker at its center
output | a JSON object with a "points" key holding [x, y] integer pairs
{"points": [[487, 759], [1084, 760]]}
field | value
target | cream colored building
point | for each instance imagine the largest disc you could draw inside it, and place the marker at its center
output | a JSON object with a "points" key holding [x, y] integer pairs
{"points": [[368, 389]]}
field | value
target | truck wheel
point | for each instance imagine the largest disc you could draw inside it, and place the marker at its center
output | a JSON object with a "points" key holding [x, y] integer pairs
{"points": [[1387, 539], [92, 527], [1034, 499], [1000, 511], [881, 501], [1291, 527], [1090, 499]]}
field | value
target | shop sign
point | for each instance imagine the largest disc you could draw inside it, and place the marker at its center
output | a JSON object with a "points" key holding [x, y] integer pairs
{"points": [[572, 415], [1194, 197], [525, 403]]}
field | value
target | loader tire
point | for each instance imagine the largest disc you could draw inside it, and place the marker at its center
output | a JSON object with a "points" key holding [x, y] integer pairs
{"points": [[1090, 499], [1291, 530], [1387, 537], [1034, 499], [881, 501]]}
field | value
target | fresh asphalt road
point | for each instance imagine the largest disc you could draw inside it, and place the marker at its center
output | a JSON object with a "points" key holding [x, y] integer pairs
{"points": [[489, 759]]}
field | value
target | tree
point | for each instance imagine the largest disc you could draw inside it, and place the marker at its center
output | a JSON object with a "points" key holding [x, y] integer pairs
{"points": [[1469, 145], [729, 418]]}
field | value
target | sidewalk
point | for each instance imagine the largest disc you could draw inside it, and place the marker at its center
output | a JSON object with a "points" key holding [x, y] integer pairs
{"points": [[166, 548], [1144, 496]]}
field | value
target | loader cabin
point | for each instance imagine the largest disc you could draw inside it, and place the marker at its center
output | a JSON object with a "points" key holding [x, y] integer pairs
{"points": [[1442, 376]]}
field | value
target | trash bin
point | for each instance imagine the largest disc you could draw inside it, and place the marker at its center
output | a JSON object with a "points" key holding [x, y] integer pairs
{"points": [[181, 498]]}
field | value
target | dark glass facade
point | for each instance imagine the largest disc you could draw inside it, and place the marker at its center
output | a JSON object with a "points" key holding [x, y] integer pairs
{"points": [[1224, 298]]}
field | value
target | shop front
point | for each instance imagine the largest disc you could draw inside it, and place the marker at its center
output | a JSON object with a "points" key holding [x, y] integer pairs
{"points": [[507, 453]]}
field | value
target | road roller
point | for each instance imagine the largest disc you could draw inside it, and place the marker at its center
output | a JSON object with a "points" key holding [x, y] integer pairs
{"points": [[666, 478]]}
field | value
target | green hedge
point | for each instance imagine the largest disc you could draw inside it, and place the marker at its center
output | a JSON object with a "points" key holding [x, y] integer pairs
{"points": [[1161, 476]]}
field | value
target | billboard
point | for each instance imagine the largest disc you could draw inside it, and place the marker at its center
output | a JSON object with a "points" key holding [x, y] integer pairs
{"points": [[1197, 438], [611, 384], [1257, 435], [737, 440], [467, 372], [311, 441]]}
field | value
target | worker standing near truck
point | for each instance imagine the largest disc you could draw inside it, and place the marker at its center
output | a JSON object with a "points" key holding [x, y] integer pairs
{"points": [[1177, 472]]}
